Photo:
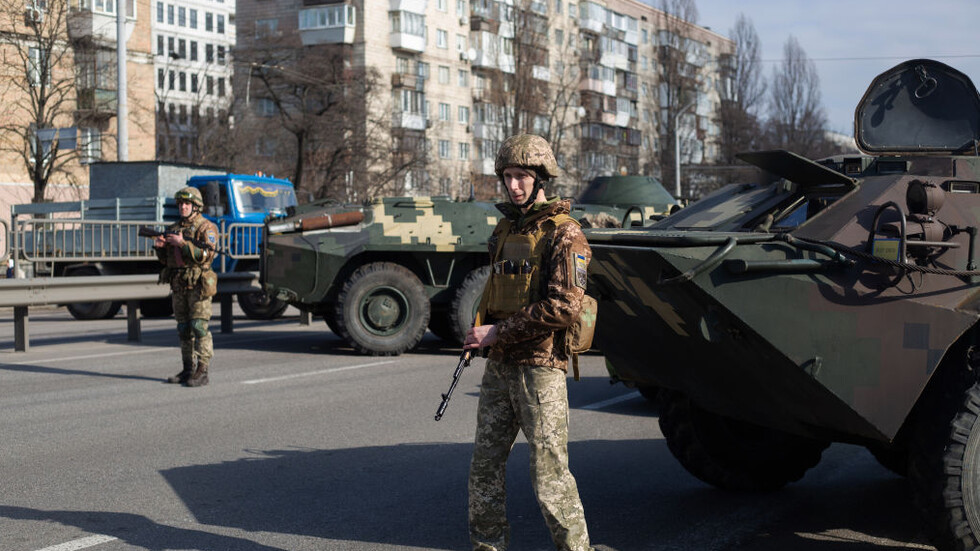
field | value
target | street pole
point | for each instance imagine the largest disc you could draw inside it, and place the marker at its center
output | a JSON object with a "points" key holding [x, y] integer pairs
{"points": [[122, 106], [677, 149]]}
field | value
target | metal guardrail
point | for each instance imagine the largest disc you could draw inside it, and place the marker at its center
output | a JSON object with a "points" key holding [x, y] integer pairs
{"points": [[49, 239], [21, 294]]}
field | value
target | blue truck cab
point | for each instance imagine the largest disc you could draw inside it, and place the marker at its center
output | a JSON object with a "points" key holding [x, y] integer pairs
{"points": [[235, 203]]}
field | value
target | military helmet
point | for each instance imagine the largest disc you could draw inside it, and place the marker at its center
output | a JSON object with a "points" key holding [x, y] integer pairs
{"points": [[191, 195], [527, 151]]}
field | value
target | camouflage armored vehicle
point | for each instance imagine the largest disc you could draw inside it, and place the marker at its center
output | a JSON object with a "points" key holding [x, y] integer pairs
{"points": [[625, 200], [378, 275], [838, 304]]}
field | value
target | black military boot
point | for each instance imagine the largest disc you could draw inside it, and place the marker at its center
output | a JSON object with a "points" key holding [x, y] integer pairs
{"points": [[182, 377], [200, 377]]}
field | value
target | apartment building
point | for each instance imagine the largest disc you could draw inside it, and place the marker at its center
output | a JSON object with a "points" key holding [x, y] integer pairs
{"points": [[192, 45], [458, 76], [69, 46]]}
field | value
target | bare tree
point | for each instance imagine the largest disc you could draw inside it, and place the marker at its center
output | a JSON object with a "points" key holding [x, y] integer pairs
{"points": [[37, 66], [796, 117], [742, 101], [679, 80]]}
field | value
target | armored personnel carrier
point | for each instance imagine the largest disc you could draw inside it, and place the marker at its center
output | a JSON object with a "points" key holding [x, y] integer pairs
{"points": [[839, 303]]}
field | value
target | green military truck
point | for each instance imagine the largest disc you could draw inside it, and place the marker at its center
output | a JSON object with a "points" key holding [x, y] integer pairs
{"points": [[381, 274]]}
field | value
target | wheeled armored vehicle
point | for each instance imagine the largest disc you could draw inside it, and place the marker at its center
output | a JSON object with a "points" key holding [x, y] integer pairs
{"points": [[834, 301]]}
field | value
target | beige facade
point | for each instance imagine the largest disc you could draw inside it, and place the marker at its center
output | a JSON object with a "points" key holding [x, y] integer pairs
{"points": [[453, 70], [82, 35]]}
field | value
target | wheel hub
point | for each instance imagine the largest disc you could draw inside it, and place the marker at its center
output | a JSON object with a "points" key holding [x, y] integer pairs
{"points": [[384, 311]]}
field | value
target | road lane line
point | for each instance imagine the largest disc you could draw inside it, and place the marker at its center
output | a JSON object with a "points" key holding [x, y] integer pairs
{"points": [[81, 543], [140, 350], [311, 373], [611, 401]]}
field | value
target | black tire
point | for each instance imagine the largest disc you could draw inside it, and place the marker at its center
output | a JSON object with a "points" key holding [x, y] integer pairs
{"points": [[944, 471], [732, 454], [382, 309], [441, 326], [260, 306], [92, 310], [157, 307], [462, 309], [330, 317], [650, 392]]}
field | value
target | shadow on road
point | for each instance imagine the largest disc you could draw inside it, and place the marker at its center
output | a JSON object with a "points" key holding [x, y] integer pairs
{"points": [[136, 530]]}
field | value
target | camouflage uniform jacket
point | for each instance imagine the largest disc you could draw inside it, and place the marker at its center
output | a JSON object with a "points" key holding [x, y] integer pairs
{"points": [[534, 335], [185, 265]]}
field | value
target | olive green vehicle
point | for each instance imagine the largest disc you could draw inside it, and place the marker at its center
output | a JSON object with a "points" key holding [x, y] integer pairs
{"points": [[379, 275], [838, 304]]}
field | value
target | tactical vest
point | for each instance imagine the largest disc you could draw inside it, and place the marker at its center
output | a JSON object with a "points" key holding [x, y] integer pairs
{"points": [[190, 274], [515, 282]]}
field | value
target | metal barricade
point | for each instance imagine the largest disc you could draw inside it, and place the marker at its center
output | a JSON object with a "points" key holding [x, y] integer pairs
{"points": [[240, 241], [47, 240]]}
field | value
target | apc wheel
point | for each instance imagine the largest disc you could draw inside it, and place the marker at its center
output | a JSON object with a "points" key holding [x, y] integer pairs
{"points": [[260, 306], [92, 310], [462, 310], [441, 326], [944, 468], [382, 309], [732, 454]]}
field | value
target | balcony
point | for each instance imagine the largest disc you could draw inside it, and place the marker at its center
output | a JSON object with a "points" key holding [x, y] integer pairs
{"points": [[407, 80], [407, 120], [96, 101], [330, 24], [407, 42]]}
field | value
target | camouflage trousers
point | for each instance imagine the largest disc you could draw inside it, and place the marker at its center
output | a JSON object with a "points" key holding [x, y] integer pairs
{"points": [[533, 400], [192, 313]]}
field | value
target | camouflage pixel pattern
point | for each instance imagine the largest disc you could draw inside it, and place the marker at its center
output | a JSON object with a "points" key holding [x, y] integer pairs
{"points": [[771, 329], [532, 400], [302, 268]]}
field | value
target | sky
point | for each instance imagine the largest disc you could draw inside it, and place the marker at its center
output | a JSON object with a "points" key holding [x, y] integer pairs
{"points": [[852, 41]]}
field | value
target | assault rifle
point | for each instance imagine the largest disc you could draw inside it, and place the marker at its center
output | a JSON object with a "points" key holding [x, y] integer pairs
{"points": [[146, 231], [464, 361]]}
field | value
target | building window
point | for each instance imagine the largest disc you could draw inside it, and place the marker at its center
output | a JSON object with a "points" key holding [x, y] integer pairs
{"points": [[464, 151], [445, 152], [442, 5], [461, 8], [181, 16], [444, 112], [443, 74], [208, 21], [266, 27], [182, 48], [161, 79], [221, 24], [221, 87], [160, 50], [341, 15], [463, 78], [193, 50], [193, 18], [171, 80], [170, 45], [221, 55], [170, 14], [442, 39], [210, 89], [266, 107], [182, 79], [463, 116], [89, 145], [209, 53], [159, 12], [109, 7]]}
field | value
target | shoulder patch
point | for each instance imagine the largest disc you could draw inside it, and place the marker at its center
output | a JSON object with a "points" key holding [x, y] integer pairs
{"points": [[581, 270]]}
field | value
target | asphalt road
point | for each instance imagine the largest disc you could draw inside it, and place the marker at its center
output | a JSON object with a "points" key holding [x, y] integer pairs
{"points": [[300, 444]]}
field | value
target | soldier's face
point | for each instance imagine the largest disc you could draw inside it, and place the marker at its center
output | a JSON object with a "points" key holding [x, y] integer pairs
{"points": [[185, 208], [519, 184]]}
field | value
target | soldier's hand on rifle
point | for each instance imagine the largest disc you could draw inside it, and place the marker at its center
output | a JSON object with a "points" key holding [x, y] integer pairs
{"points": [[480, 336], [159, 242], [175, 239]]}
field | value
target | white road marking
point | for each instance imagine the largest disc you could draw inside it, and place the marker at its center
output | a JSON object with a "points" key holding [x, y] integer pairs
{"points": [[81, 543], [140, 350], [311, 373], [611, 401]]}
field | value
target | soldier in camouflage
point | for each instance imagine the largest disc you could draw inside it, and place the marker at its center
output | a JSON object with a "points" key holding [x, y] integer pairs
{"points": [[539, 260], [187, 269]]}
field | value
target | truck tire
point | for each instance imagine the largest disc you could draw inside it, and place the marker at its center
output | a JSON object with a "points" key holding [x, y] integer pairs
{"points": [[462, 310], [944, 462], [732, 454], [91, 310], [260, 306], [382, 309]]}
